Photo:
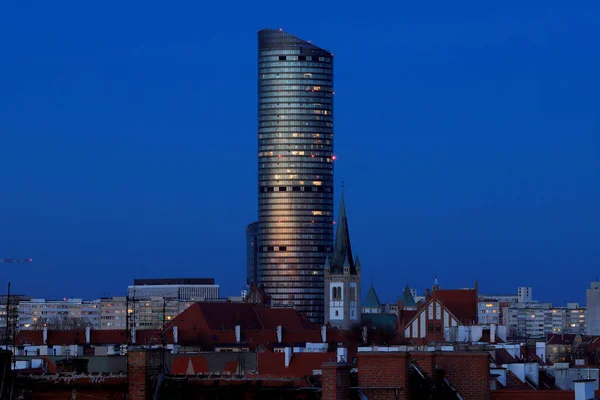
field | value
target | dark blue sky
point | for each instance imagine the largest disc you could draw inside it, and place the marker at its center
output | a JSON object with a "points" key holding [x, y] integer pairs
{"points": [[468, 136]]}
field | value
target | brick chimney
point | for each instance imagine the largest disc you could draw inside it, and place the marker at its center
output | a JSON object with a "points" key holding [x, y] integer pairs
{"points": [[143, 371], [336, 381]]}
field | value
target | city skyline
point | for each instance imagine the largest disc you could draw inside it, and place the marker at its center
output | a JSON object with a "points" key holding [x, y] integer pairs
{"points": [[469, 156]]}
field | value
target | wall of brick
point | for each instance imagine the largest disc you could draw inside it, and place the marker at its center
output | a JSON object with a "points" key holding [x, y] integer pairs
{"points": [[467, 372], [335, 381], [383, 376], [144, 368]]}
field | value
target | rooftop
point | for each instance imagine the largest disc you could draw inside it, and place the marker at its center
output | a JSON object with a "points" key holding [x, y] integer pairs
{"points": [[174, 281]]}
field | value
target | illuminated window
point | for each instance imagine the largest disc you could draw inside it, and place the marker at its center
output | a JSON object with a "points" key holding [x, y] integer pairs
{"points": [[317, 212], [317, 183], [316, 87]]}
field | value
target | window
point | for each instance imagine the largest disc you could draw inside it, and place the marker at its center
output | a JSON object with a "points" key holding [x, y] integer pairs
{"points": [[430, 328], [337, 314], [336, 293]]}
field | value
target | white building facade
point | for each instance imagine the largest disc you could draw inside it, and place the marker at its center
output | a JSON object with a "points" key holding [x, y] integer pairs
{"points": [[59, 314], [198, 289], [488, 312], [538, 320]]}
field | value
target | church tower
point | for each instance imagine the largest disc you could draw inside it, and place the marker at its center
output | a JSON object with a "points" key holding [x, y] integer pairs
{"points": [[342, 278]]}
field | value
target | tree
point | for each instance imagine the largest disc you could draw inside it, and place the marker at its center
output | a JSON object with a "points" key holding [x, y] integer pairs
{"points": [[61, 323]]}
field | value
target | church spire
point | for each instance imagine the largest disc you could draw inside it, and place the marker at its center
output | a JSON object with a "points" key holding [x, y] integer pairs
{"points": [[436, 284], [342, 251]]}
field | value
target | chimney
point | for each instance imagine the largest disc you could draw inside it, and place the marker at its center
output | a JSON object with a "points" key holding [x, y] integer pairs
{"points": [[238, 330], [45, 335], [427, 295], [400, 306], [87, 334], [175, 334], [288, 356], [342, 355], [584, 389], [279, 333], [133, 335], [493, 333], [324, 334]]}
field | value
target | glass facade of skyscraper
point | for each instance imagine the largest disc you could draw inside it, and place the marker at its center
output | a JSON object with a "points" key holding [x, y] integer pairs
{"points": [[295, 169]]}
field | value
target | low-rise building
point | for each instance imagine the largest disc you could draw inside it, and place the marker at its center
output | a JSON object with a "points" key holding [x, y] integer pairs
{"points": [[442, 316]]}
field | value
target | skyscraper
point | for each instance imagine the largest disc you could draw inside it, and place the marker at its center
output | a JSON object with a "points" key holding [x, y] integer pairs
{"points": [[295, 169], [251, 253]]}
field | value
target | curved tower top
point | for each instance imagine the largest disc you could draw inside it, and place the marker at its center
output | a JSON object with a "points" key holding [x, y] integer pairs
{"points": [[295, 169], [277, 39]]}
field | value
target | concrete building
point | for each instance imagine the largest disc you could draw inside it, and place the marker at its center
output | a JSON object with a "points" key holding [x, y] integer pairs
{"points": [[535, 321], [592, 317], [59, 314], [154, 312], [488, 312], [342, 278], [524, 294], [198, 289], [9, 315], [113, 313], [145, 314]]}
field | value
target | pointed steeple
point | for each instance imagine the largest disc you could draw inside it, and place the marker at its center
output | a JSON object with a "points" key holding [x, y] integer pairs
{"points": [[346, 262], [357, 263], [327, 263], [436, 284], [342, 250], [407, 297], [372, 300]]}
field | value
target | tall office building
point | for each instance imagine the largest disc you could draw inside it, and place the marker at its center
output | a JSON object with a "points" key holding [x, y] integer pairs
{"points": [[251, 253], [295, 169]]}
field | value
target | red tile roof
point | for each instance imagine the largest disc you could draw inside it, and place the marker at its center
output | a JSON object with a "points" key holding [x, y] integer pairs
{"points": [[214, 324], [301, 364], [462, 303], [225, 316], [501, 357], [487, 337], [97, 337], [189, 365], [514, 383], [230, 367], [29, 337], [288, 318], [105, 337]]}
